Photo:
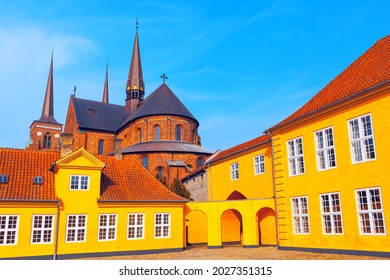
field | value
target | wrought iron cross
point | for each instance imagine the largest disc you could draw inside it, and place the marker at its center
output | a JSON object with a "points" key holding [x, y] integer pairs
{"points": [[164, 77]]}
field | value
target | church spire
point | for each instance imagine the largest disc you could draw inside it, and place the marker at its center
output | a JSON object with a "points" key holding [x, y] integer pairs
{"points": [[135, 88], [48, 109], [105, 91]]}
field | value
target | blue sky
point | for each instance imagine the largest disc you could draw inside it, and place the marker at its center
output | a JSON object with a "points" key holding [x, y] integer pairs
{"points": [[238, 66]]}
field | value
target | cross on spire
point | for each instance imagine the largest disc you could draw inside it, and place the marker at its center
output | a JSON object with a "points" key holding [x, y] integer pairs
{"points": [[136, 24], [164, 77]]}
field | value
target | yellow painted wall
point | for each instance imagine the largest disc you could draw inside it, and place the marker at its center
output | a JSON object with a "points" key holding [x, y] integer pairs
{"points": [[196, 222], [220, 185], [345, 178], [25, 211]]}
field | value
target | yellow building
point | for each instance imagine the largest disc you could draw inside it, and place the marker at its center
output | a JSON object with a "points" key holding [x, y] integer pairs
{"points": [[332, 160], [240, 207], [81, 205]]}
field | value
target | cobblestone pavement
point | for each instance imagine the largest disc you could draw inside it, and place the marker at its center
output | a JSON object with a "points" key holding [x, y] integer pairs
{"points": [[239, 253]]}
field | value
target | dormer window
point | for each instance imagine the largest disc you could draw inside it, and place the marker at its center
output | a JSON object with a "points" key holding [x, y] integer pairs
{"points": [[38, 180], [3, 178], [79, 182]]}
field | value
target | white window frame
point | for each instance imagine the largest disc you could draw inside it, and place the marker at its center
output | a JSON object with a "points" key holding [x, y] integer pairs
{"points": [[76, 228], [234, 171], [79, 180], [358, 143], [371, 212], [7, 231], [107, 231], [331, 213], [161, 224], [137, 227], [300, 216], [46, 228], [259, 164], [294, 157], [324, 150]]}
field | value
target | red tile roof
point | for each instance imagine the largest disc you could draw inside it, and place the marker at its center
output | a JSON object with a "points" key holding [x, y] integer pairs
{"points": [[124, 180], [242, 147], [369, 70], [21, 166], [128, 180]]}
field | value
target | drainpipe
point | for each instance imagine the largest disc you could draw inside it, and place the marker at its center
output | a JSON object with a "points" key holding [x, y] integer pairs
{"points": [[274, 182], [56, 232]]}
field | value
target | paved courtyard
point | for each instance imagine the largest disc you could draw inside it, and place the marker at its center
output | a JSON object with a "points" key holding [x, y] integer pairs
{"points": [[239, 253]]}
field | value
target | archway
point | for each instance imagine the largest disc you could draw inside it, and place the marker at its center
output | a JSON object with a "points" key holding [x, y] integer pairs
{"points": [[196, 228], [267, 226], [231, 227]]}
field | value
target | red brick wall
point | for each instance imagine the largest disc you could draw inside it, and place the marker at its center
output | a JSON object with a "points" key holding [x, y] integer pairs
{"points": [[38, 131], [130, 134]]}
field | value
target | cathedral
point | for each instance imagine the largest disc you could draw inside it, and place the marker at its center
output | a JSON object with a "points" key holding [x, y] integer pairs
{"points": [[158, 131]]}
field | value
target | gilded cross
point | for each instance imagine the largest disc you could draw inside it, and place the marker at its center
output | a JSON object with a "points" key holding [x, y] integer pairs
{"points": [[164, 77]]}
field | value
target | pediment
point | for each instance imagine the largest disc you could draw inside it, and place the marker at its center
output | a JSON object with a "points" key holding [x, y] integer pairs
{"points": [[80, 159]]}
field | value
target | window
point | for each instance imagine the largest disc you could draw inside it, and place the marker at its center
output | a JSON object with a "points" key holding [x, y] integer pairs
{"points": [[135, 228], [101, 147], [76, 228], [234, 174], [199, 162], [259, 164], [300, 215], [295, 156], [326, 156], [3, 178], [107, 227], [159, 174], [78, 182], [8, 229], [162, 225], [331, 213], [370, 211], [157, 132], [46, 141], [38, 180], [361, 137], [42, 229], [178, 132], [145, 162]]}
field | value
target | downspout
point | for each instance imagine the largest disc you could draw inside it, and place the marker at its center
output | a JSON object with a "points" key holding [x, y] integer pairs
{"points": [[56, 232], [274, 182]]}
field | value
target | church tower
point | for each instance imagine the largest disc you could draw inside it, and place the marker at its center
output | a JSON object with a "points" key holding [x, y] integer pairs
{"points": [[45, 133], [135, 89]]}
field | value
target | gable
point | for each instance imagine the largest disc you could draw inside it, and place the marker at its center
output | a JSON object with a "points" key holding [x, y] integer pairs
{"points": [[80, 159]]}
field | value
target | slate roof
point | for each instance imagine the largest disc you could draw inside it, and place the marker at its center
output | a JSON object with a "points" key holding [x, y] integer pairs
{"points": [[162, 101], [369, 70], [21, 166], [263, 139], [98, 115], [165, 146], [123, 180]]}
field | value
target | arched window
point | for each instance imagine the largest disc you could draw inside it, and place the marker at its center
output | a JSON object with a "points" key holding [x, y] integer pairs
{"points": [[101, 147], [46, 141], [139, 135], [199, 162], [159, 174], [145, 162], [178, 132], [157, 132]]}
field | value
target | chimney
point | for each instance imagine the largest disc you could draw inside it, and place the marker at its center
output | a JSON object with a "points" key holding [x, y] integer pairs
{"points": [[66, 147], [118, 148]]}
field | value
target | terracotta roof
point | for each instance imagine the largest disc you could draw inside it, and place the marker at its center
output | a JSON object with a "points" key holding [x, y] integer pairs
{"points": [[165, 146], [128, 180], [162, 101], [124, 180], [21, 166], [369, 70], [263, 139]]}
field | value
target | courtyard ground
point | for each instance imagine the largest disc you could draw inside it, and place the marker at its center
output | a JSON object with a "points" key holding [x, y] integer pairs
{"points": [[239, 253]]}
